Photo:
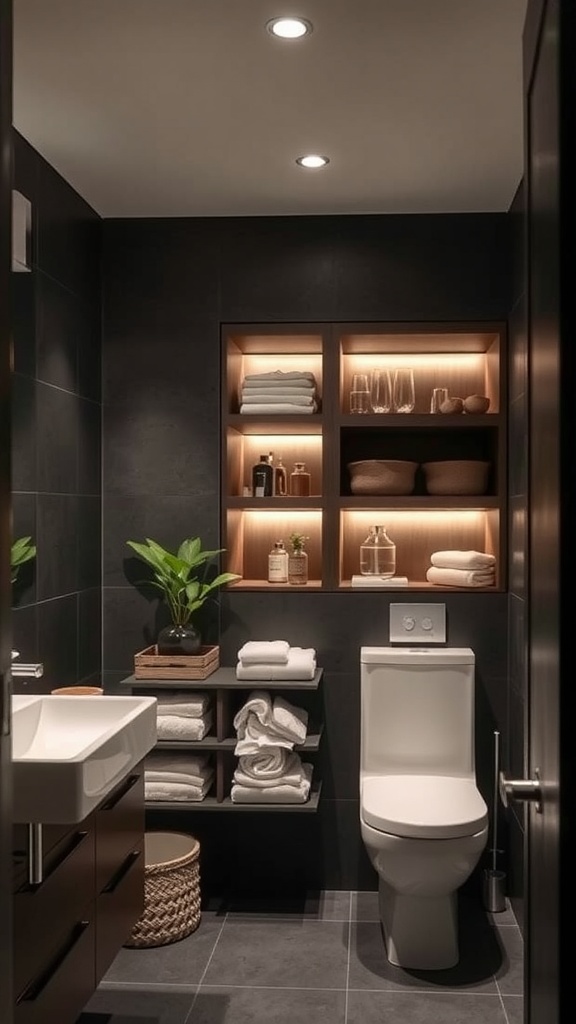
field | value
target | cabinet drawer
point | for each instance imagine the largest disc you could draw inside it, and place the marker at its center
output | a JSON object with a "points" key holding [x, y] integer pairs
{"points": [[63, 985], [119, 826], [47, 910], [118, 907]]}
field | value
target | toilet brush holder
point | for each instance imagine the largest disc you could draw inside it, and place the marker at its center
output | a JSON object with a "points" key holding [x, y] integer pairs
{"points": [[494, 891]]}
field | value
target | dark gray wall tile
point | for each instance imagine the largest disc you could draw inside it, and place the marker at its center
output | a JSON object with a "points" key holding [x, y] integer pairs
{"points": [[89, 515], [24, 322], [57, 444], [90, 635], [58, 334], [57, 559], [24, 433], [68, 234], [89, 447], [58, 642]]}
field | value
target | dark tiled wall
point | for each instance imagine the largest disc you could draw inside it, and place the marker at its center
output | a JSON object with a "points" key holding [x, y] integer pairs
{"points": [[168, 285], [514, 751], [56, 415]]}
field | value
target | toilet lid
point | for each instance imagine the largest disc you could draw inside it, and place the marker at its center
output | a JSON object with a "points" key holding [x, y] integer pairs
{"points": [[423, 806]]}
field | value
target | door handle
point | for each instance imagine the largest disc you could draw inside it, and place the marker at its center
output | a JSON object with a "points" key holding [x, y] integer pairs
{"points": [[525, 790]]}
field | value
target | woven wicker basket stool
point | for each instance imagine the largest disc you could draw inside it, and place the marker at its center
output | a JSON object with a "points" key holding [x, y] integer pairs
{"points": [[171, 890]]}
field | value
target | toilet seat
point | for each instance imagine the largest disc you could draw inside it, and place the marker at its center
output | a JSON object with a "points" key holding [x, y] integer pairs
{"points": [[423, 806]]}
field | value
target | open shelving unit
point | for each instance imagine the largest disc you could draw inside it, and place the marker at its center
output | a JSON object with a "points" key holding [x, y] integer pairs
{"points": [[467, 358]]}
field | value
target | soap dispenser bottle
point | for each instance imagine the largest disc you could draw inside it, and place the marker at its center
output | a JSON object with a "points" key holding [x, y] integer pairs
{"points": [[263, 478], [278, 563], [280, 479]]}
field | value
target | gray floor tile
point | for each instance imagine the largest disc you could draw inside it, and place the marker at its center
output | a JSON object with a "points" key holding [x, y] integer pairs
{"points": [[267, 1006], [180, 962], [370, 968], [321, 906], [365, 906], [139, 1005], [510, 975], [423, 1008], [304, 954], [514, 1006]]}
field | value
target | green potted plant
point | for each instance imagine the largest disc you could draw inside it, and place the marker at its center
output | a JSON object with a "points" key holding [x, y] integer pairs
{"points": [[298, 560], [181, 578], [22, 551]]}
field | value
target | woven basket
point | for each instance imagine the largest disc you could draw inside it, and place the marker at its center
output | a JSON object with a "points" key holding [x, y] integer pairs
{"points": [[382, 476], [456, 476], [171, 890]]}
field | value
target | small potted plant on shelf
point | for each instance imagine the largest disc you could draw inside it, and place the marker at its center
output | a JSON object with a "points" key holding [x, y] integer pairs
{"points": [[181, 578], [298, 560]]}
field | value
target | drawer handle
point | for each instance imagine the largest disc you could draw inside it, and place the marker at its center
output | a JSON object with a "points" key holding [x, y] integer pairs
{"points": [[36, 987], [75, 841], [122, 871], [121, 792]]}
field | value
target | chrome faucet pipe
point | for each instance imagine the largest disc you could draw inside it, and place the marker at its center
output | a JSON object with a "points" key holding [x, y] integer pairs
{"points": [[27, 671]]}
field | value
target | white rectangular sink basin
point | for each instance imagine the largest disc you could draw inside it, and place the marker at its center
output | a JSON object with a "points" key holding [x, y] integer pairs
{"points": [[68, 753]]}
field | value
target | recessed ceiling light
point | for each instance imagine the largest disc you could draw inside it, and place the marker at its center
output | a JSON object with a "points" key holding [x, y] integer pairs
{"points": [[312, 161], [289, 28]]}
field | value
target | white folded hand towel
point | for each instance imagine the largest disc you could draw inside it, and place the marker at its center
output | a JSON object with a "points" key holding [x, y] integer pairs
{"points": [[256, 652], [280, 794], [289, 720], [177, 702], [278, 408], [183, 763], [460, 577], [278, 390], [301, 664], [463, 559], [281, 375], [270, 763], [178, 727], [183, 778], [267, 397], [176, 790]]}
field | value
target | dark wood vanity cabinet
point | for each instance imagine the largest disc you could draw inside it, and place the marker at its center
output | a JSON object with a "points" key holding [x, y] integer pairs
{"points": [[69, 927]]}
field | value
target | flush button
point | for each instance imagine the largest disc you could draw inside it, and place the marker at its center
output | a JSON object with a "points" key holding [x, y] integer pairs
{"points": [[427, 623], [408, 622]]}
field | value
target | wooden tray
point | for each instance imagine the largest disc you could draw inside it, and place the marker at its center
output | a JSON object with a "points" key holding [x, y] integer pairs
{"points": [[148, 664]]}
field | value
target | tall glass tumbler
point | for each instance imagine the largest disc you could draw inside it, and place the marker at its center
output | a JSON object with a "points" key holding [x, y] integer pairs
{"points": [[360, 393], [380, 391], [403, 396]]}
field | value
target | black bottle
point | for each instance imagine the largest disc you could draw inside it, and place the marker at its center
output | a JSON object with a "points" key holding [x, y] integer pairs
{"points": [[263, 478]]}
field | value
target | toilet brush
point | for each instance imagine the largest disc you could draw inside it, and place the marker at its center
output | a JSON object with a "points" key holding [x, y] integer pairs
{"points": [[494, 880]]}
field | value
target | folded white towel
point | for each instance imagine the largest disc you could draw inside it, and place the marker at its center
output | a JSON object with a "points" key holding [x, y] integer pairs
{"points": [[293, 776], [184, 778], [275, 391], [257, 652], [183, 763], [283, 375], [176, 790], [279, 718], [178, 727], [301, 664], [266, 398], [269, 763], [280, 794], [278, 408], [460, 577], [463, 559], [177, 702]]}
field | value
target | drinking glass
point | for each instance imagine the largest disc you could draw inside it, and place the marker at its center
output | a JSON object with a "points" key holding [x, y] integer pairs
{"points": [[380, 391], [360, 393], [403, 391], [439, 395]]}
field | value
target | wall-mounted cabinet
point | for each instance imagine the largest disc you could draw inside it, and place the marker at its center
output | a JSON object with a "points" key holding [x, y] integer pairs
{"points": [[466, 359]]}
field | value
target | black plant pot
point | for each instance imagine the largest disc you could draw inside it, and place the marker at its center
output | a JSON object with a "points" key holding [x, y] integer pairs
{"points": [[179, 640]]}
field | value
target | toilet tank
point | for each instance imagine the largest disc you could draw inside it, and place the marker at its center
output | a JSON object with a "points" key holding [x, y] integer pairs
{"points": [[417, 711]]}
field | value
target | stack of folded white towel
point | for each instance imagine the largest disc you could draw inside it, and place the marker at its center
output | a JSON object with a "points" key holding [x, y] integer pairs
{"points": [[275, 659], [269, 769], [462, 569], [280, 391], [183, 715], [177, 776]]}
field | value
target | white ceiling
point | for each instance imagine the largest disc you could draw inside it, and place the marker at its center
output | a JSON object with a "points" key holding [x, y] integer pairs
{"points": [[191, 108]]}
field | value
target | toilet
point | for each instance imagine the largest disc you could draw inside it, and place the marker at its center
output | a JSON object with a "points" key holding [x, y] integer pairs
{"points": [[423, 821]]}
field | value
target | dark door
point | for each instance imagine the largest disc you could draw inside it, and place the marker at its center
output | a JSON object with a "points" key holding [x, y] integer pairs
{"points": [[550, 232], [5, 520]]}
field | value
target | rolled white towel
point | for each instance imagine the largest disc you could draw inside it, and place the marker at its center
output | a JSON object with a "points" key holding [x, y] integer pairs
{"points": [[257, 652], [463, 559], [460, 577], [301, 664], [280, 794], [177, 702], [177, 727], [289, 720], [271, 763], [292, 776], [256, 737], [258, 704], [277, 408]]}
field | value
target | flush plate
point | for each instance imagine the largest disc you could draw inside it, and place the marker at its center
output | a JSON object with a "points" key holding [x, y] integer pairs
{"points": [[418, 623]]}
